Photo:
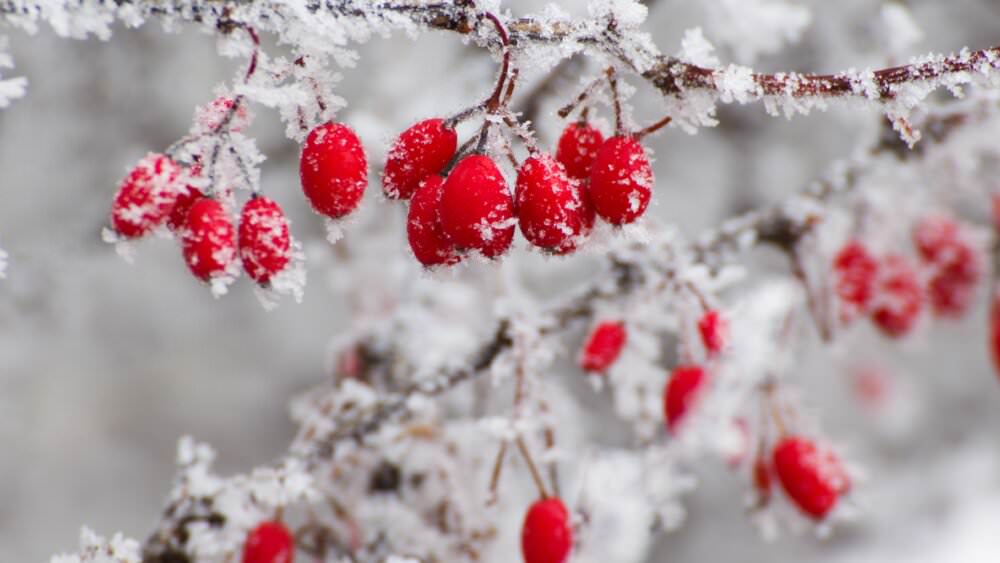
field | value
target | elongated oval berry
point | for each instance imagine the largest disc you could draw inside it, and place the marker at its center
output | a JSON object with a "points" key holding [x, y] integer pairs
{"points": [[546, 536], [552, 210], [714, 332], [682, 392], [423, 226], [269, 542], [477, 211], [899, 298], [146, 196], [185, 199], [577, 148], [621, 180], [855, 271], [420, 151], [952, 287], [811, 476], [208, 240], [994, 332], [933, 235], [264, 242], [603, 346], [333, 170]]}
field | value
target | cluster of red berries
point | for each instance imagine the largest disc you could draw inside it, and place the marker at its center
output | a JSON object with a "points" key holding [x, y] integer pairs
{"points": [[156, 192], [890, 290]]}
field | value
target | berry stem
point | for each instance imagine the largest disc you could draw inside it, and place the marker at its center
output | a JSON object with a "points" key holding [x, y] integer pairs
{"points": [[580, 98], [494, 101], [653, 128], [497, 470], [615, 99], [535, 475]]}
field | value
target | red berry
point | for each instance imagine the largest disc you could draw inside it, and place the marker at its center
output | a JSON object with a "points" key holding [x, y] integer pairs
{"points": [[994, 337], [208, 240], [420, 151], [714, 332], [761, 476], [146, 196], [423, 226], [546, 536], [933, 235], [265, 245], [682, 392], [812, 476], [551, 209], [333, 170], [269, 542], [855, 270], [952, 287], [603, 346], [899, 297], [477, 212], [185, 199], [621, 180], [577, 148]]}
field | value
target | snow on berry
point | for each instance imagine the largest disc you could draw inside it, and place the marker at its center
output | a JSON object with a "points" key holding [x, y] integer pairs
{"points": [[208, 240], [333, 170], [714, 331], [811, 475], [546, 536], [681, 394], [934, 235], [899, 297], [577, 148], [423, 225], [621, 180], [855, 271], [185, 199], [420, 151], [477, 211], [264, 242], [552, 210], [952, 287], [146, 196], [269, 542], [603, 346]]}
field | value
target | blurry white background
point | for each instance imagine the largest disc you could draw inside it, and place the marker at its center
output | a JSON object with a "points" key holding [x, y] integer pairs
{"points": [[103, 365]]}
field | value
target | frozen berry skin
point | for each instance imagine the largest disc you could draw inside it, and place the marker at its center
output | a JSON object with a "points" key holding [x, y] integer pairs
{"points": [[714, 331], [421, 151], [899, 297], [682, 392], [811, 476], [264, 243], [952, 286], [208, 240], [933, 235], [178, 214], [477, 210], [146, 196], [855, 272], [269, 542], [551, 208], [577, 148], [603, 346], [333, 170], [546, 536], [621, 180], [423, 226]]}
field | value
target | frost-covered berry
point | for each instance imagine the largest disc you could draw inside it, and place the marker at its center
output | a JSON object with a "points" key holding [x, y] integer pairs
{"points": [[603, 346], [546, 536], [621, 180], [264, 242], [423, 226], [714, 331], [477, 211], [552, 211], [420, 151], [899, 298], [994, 331], [269, 542], [185, 199], [952, 287], [855, 271], [577, 148], [146, 196], [811, 476], [333, 170], [933, 235], [208, 240], [681, 393]]}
